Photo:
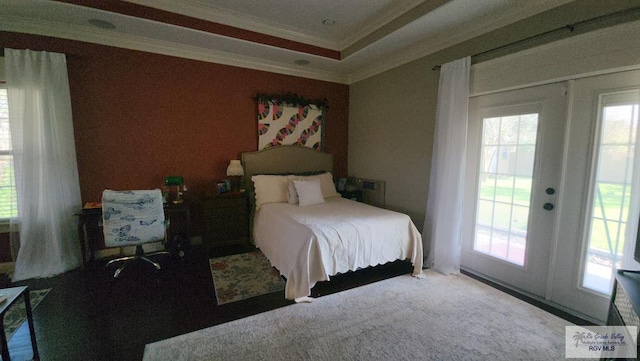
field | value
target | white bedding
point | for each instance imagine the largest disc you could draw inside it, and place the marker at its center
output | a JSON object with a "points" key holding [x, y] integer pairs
{"points": [[309, 244]]}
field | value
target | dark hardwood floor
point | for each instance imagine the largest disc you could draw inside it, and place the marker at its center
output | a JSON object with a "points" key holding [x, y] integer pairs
{"points": [[87, 316]]}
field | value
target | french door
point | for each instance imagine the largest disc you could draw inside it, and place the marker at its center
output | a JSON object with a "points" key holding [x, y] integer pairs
{"points": [[601, 196], [553, 188], [513, 171]]}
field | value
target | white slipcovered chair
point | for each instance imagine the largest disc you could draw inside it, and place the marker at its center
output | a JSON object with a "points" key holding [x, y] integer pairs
{"points": [[133, 218]]}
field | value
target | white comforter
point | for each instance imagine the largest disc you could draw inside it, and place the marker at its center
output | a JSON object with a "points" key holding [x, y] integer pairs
{"points": [[309, 244]]}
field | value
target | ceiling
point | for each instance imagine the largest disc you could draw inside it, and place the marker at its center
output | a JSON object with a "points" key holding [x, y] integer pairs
{"points": [[282, 36]]}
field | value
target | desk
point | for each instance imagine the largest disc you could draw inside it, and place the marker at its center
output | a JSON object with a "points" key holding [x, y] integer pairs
{"points": [[92, 239], [12, 295]]}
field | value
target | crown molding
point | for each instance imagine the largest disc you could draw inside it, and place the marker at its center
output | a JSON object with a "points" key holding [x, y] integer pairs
{"points": [[215, 14], [121, 40], [126, 41], [388, 14], [432, 46]]}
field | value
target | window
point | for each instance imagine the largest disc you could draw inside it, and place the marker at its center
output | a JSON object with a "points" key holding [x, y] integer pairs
{"points": [[504, 191], [616, 175], [8, 203]]}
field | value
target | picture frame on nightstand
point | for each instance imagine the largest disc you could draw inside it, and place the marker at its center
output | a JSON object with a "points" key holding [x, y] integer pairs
{"points": [[223, 186]]}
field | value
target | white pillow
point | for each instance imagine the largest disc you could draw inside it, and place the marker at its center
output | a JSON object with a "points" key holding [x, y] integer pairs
{"points": [[326, 183], [309, 192], [293, 194], [270, 189]]}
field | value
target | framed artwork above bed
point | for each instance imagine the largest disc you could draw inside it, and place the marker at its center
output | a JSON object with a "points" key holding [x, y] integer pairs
{"points": [[290, 120]]}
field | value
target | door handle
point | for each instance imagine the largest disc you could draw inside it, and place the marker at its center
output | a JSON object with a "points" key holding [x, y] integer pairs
{"points": [[548, 206]]}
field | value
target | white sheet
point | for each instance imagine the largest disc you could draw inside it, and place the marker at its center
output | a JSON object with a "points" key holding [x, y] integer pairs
{"points": [[309, 244]]}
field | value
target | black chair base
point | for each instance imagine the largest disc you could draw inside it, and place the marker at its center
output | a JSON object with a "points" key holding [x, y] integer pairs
{"points": [[139, 256]]}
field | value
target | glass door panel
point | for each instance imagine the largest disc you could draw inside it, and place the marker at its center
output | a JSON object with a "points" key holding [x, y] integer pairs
{"points": [[504, 186], [615, 181], [514, 148]]}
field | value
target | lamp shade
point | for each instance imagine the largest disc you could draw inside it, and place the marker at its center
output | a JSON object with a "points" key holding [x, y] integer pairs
{"points": [[235, 168]]}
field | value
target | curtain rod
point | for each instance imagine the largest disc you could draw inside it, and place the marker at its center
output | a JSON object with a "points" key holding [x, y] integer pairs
{"points": [[570, 27]]}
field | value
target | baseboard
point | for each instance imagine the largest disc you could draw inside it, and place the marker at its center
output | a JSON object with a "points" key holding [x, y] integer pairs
{"points": [[551, 307]]}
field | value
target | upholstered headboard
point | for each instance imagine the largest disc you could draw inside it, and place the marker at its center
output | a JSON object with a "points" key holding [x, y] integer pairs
{"points": [[284, 159]]}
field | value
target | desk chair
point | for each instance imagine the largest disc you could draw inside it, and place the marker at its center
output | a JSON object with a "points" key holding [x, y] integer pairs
{"points": [[132, 218]]}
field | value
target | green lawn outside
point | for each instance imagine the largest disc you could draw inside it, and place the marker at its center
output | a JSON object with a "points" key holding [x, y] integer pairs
{"points": [[506, 188], [616, 207]]}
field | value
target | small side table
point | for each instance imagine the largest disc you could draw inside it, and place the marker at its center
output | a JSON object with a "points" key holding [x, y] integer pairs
{"points": [[353, 195], [12, 294], [225, 220]]}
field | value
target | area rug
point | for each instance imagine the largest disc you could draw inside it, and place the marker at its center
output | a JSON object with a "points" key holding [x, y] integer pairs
{"points": [[241, 276], [17, 314], [402, 318]]}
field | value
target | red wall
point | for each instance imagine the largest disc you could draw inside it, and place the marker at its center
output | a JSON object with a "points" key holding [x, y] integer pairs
{"points": [[139, 117]]}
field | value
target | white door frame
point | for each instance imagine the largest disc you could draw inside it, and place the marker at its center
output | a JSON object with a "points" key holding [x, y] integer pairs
{"points": [[564, 285], [549, 102]]}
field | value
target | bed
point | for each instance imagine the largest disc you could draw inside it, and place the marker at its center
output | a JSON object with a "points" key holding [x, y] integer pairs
{"points": [[320, 234]]}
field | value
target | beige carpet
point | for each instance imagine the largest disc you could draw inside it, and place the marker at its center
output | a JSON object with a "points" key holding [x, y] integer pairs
{"points": [[403, 318]]}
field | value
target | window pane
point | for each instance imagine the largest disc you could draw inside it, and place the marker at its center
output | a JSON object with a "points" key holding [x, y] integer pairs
{"points": [[504, 186], [618, 127], [509, 130], [8, 204], [524, 165], [528, 129], [506, 160], [7, 189], [504, 189], [489, 160], [491, 135], [487, 186], [611, 198]]}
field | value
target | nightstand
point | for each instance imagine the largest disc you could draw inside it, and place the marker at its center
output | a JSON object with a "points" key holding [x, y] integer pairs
{"points": [[353, 195], [225, 220]]}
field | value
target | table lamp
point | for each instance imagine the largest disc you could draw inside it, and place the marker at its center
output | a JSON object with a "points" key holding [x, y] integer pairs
{"points": [[173, 186], [235, 170]]}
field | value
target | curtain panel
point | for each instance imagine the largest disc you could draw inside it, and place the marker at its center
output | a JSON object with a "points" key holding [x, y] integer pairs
{"points": [[443, 222], [44, 155]]}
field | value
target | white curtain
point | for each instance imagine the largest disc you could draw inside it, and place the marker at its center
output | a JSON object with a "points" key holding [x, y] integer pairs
{"points": [[44, 155], [443, 222]]}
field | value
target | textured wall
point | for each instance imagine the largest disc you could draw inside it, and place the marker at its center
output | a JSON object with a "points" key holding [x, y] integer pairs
{"points": [[139, 117]]}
